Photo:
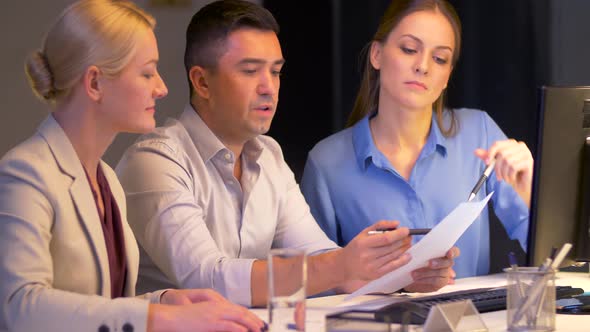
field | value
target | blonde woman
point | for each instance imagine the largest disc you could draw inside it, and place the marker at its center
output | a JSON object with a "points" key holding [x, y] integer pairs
{"points": [[69, 259]]}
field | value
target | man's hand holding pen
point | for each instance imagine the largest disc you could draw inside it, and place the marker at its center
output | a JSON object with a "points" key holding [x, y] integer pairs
{"points": [[369, 257], [436, 274], [513, 164], [439, 271]]}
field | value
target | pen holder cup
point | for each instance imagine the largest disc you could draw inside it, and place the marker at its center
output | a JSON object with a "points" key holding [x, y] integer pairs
{"points": [[530, 299]]}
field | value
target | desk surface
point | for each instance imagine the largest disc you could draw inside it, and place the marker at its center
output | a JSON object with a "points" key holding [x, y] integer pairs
{"points": [[318, 308]]}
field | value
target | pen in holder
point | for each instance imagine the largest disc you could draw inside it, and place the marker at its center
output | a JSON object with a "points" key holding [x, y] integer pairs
{"points": [[531, 299], [519, 287], [536, 310]]}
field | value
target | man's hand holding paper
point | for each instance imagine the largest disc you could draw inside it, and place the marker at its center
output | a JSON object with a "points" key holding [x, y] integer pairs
{"points": [[372, 256], [429, 250]]}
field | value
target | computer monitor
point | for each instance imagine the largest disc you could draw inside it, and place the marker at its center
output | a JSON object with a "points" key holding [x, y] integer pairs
{"points": [[560, 201]]}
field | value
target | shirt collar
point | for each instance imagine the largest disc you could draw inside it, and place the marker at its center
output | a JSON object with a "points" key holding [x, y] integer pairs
{"points": [[252, 149], [207, 143], [436, 139], [362, 141], [366, 151]]}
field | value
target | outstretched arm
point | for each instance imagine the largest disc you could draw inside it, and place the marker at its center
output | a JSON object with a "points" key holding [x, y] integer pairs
{"points": [[365, 258]]}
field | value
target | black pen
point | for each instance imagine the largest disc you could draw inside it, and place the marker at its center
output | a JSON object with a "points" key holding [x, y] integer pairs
{"points": [[482, 179], [413, 231]]}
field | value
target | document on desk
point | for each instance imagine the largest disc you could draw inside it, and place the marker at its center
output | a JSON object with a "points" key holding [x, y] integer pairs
{"points": [[434, 244]]}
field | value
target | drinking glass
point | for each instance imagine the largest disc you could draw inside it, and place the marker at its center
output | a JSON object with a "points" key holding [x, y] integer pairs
{"points": [[287, 278]]}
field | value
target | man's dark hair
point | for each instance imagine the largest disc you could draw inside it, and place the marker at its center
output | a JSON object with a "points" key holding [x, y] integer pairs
{"points": [[208, 30]]}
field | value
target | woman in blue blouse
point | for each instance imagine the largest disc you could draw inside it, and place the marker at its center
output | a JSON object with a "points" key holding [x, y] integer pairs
{"points": [[407, 158]]}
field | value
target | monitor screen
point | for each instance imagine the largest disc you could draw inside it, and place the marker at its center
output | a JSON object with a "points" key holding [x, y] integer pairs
{"points": [[561, 180]]}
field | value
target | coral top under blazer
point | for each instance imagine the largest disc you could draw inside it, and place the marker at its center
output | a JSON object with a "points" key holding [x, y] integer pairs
{"points": [[54, 269]]}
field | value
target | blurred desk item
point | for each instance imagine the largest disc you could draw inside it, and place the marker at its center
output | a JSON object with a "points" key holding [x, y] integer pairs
{"points": [[319, 308]]}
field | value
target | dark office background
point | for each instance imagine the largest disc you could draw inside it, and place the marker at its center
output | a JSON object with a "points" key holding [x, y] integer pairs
{"points": [[505, 56], [510, 48]]}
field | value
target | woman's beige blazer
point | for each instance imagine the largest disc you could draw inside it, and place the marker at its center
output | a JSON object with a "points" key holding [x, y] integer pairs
{"points": [[54, 270]]}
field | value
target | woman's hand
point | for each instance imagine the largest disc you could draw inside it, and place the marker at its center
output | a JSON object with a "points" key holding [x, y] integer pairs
{"points": [[201, 310], [188, 296], [514, 164], [436, 275]]}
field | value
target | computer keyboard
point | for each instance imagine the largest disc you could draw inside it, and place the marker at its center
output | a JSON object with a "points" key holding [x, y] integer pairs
{"points": [[484, 299]]}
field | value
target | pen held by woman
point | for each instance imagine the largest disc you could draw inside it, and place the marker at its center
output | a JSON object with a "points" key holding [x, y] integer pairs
{"points": [[513, 164]]}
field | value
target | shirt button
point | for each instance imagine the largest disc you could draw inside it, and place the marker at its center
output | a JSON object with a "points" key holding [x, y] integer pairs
{"points": [[227, 156]]}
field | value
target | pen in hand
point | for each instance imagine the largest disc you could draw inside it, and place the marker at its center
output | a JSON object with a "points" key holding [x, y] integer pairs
{"points": [[482, 179], [413, 231]]}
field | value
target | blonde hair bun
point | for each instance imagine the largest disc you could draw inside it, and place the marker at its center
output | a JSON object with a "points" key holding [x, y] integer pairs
{"points": [[39, 76], [100, 33]]}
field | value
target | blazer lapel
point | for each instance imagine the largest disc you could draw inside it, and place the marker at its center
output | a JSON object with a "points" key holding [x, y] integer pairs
{"points": [[81, 194]]}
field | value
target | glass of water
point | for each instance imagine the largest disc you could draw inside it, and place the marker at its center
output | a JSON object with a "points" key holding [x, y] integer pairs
{"points": [[287, 278]]}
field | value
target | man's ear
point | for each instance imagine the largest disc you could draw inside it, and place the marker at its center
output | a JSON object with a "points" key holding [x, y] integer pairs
{"points": [[375, 54], [199, 78], [92, 84]]}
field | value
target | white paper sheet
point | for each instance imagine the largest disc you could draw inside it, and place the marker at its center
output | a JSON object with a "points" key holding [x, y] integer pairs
{"points": [[434, 244]]}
